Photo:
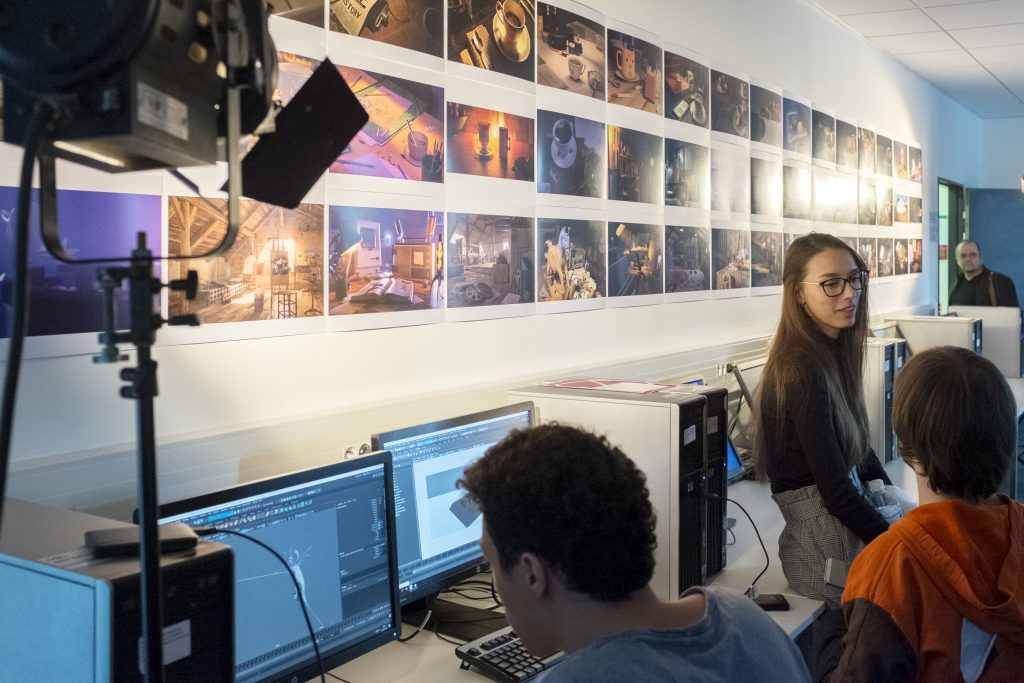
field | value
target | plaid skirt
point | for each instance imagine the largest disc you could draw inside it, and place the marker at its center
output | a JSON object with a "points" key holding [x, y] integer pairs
{"points": [[810, 536]]}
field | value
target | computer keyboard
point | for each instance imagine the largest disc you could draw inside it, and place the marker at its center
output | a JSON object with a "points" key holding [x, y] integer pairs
{"points": [[501, 655]]}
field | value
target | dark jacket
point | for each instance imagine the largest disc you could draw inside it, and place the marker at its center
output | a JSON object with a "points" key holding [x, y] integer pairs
{"points": [[987, 289]]}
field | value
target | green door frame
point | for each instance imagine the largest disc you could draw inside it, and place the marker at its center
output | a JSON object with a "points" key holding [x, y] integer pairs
{"points": [[953, 228]]}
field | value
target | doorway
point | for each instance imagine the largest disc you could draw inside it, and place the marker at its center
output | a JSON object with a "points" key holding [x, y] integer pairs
{"points": [[952, 229]]}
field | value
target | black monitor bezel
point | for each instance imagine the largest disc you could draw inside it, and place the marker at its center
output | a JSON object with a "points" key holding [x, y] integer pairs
{"points": [[478, 564], [308, 668]]}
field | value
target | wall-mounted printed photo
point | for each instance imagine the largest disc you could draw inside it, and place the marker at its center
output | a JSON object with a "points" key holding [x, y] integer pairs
{"points": [[901, 160], [634, 73], [885, 257], [766, 252], [902, 257], [687, 174], [570, 155], [730, 256], [850, 242], [636, 264], [846, 145], [796, 192], [823, 136], [496, 36], [835, 196], [493, 144], [293, 70], [796, 127], [885, 205], [867, 203], [915, 164], [490, 260], [766, 186], [730, 104], [914, 249], [572, 259], [384, 260], [901, 208], [687, 84], [866, 248], [274, 270], [635, 166], [688, 257], [404, 138], [413, 24], [730, 179], [62, 297], [883, 156], [570, 52], [305, 11], [867, 154], [765, 116], [916, 210]]}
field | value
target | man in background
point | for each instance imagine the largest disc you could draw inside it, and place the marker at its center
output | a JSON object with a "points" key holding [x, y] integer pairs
{"points": [[976, 285], [569, 533]]}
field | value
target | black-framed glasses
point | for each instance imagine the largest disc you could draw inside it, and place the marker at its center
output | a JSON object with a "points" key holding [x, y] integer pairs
{"points": [[834, 286]]}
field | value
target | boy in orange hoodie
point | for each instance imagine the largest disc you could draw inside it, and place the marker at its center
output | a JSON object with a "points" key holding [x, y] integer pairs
{"points": [[940, 595]]}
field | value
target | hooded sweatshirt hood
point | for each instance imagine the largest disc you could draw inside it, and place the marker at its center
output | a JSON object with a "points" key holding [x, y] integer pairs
{"points": [[974, 555]]}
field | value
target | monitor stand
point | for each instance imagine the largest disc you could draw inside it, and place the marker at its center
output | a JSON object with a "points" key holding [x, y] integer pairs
{"points": [[452, 619]]}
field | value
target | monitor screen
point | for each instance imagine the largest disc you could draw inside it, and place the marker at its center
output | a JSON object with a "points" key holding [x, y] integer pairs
{"points": [[438, 527], [734, 466], [334, 526]]}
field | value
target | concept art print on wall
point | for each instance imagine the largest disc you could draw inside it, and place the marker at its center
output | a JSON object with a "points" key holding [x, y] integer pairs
{"points": [[62, 297], [384, 260]]}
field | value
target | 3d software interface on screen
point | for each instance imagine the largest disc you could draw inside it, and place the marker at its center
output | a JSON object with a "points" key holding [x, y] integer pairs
{"points": [[333, 534], [437, 525]]}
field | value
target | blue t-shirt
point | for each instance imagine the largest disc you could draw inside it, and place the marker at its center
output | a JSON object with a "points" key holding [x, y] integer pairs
{"points": [[735, 641]]}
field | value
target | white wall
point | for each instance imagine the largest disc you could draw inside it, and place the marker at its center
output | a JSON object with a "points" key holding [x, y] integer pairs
{"points": [[1002, 154], [70, 405]]}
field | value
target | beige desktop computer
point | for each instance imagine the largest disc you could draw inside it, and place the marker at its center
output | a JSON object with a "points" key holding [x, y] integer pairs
{"points": [[925, 331], [666, 434], [883, 359]]}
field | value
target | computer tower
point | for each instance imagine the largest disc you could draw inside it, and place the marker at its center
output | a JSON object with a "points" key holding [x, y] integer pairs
{"points": [[65, 616], [664, 434], [925, 331], [883, 359], [716, 437], [1002, 334]]}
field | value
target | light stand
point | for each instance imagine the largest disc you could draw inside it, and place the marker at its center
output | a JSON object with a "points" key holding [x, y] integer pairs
{"points": [[142, 387]]}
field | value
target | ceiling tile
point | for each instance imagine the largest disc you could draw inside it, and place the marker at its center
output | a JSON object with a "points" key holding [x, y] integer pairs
{"points": [[915, 42], [844, 7], [940, 59], [972, 75], [1005, 54], [1012, 75], [891, 23], [973, 15], [990, 36]]}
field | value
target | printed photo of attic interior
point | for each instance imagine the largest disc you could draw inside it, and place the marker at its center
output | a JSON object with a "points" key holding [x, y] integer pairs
{"points": [[490, 260], [272, 271]]}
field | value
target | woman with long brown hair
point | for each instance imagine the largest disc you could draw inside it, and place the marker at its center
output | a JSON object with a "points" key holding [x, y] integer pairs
{"points": [[812, 427]]}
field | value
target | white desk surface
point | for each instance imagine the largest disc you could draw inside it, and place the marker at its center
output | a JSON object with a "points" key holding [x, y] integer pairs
{"points": [[428, 659]]}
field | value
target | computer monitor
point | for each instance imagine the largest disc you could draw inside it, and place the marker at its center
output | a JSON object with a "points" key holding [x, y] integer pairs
{"points": [[335, 527], [438, 528], [734, 468]]}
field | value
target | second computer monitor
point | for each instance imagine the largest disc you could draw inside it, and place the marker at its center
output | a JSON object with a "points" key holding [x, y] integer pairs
{"points": [[438, 527], [334, 527]]}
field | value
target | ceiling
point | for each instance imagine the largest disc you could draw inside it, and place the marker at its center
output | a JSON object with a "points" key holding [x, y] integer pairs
{"points": [[972, 50]]}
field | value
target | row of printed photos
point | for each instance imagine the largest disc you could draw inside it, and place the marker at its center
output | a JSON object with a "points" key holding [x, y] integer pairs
{"points": [[571, 48], [365, 266], [414, 134]]}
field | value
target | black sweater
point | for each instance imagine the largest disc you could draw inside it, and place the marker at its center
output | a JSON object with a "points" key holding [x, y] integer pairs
{"points": [[813, 455]]}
